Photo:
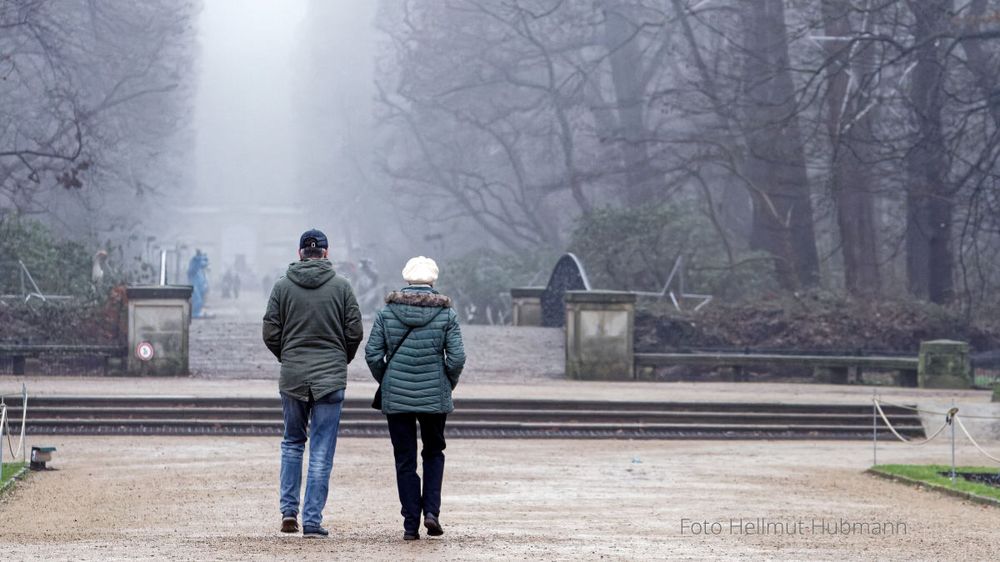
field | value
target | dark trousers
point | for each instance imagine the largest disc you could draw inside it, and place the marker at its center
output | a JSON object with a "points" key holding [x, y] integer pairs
{"points": [[403, 432]]}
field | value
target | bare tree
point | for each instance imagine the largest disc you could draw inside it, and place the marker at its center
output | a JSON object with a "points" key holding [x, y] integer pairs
{"points": [[851, 116], [93, 93]]}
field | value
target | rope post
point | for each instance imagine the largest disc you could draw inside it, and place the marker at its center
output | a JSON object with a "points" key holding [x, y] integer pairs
{"points": [[3, 422], [24, 422], [874, 429], [952, 422]]}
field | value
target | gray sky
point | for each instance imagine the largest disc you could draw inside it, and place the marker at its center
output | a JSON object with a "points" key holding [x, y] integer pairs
{"points": [[245, 146], [246, 138], [284, 96]]}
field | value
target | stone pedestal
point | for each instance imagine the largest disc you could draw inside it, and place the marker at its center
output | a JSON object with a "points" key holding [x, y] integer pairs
{"points": [[600, 335], [160, 316], [527, 305], [944, 364]]}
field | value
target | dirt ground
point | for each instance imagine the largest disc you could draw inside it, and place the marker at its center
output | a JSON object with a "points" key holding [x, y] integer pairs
{"points": [[175, 498]]}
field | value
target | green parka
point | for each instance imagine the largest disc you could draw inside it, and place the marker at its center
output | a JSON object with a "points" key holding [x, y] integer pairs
{"points": [[426, 368], [313, 326]]}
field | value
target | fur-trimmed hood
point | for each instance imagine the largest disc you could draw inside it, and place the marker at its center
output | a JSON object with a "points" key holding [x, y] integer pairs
{"points": [[418, 298], [416, 305]]}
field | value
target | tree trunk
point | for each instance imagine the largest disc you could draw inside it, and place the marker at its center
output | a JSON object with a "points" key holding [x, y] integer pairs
{"points": [[930, 208], [632, 133], [851, 115], [776, 165], [735, 204]]}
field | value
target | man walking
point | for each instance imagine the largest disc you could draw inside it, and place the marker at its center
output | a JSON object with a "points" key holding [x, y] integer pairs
{"points": [[313, 327]]}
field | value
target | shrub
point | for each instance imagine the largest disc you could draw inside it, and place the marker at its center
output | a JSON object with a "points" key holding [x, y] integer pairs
{"points": [[479, 282], [59, 267], [635, 249]]}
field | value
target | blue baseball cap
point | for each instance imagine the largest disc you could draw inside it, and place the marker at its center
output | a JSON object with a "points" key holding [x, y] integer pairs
{"points": [[313, 238]]}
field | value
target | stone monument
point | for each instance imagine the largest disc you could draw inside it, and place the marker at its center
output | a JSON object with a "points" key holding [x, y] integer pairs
{"points": [[600, 335], [159, 319], [944, 364]]}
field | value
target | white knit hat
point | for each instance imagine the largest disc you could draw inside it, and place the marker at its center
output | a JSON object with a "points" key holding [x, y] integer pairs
{"points": [[420, 271]]}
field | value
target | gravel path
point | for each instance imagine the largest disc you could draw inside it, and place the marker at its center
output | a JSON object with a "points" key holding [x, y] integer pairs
{"points": [[202, 498]]}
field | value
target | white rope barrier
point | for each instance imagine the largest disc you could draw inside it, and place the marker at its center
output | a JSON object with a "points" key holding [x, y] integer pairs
{"points": [[935, 413], [951, 416], [910, 442], [10, 443], [21, 446], [3, 423], [5, 427], [973, 441]]}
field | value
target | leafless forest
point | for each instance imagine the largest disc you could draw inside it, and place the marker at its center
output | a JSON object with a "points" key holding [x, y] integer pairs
{"points": [[842, 146]]}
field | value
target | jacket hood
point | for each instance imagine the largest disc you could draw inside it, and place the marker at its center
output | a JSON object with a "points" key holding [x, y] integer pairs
{"points": [[310, 273], [416, 306]]}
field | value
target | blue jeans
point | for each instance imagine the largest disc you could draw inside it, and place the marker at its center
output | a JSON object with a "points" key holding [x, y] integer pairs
{"points": [[321, 418]]}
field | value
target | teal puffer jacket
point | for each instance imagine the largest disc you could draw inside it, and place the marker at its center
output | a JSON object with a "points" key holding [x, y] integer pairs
{"points": [[426, 368]]}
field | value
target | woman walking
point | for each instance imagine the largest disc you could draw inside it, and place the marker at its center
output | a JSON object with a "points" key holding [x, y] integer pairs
{"points": [[415, 352]]}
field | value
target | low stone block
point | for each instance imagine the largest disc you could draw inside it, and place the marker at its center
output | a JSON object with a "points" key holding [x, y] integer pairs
{"points": [[600, 333], [160, 318], [944, 364], [526, 304]]}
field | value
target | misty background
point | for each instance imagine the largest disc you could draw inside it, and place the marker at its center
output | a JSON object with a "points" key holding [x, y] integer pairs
{"points": [[844, 148]]}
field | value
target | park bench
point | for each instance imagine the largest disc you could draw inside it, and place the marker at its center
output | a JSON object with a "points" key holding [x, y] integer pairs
{"points": [[17, 354], [835, 368]]}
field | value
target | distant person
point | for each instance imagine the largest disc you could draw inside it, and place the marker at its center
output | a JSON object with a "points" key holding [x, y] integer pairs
{"points": [[415, 352], [313, 326], [197, 274], [266, 282], [227, 283], [236, 285]]}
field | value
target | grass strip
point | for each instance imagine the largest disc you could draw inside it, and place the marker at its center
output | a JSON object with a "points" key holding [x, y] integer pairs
{"points": [[929, 475], [9, 472]]}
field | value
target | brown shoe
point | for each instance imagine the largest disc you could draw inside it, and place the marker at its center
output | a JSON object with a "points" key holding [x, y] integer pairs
{"points": [[289, 524], [433, 526]]}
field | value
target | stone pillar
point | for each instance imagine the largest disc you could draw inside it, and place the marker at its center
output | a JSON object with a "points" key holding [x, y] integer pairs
{"points": [[944, 364], [600, 335], [160, 316], [527, 305], [996, 392]]}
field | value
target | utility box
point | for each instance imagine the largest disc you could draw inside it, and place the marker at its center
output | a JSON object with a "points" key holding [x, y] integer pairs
{"points": [[159, 322], [600, 335], [944, 364], [526, 303]]}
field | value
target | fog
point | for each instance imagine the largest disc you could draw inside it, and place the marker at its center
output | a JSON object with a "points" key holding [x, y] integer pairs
{"points": [[247, 151], [765, 149], [281, 124]]}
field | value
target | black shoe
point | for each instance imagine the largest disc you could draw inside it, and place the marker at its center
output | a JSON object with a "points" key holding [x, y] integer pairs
{"points": [[411, 536], [289, 523], [433, 526], [314, 532]]}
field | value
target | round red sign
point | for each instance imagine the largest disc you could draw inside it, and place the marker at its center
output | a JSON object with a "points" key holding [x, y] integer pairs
{"points": [[144, 351]]}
